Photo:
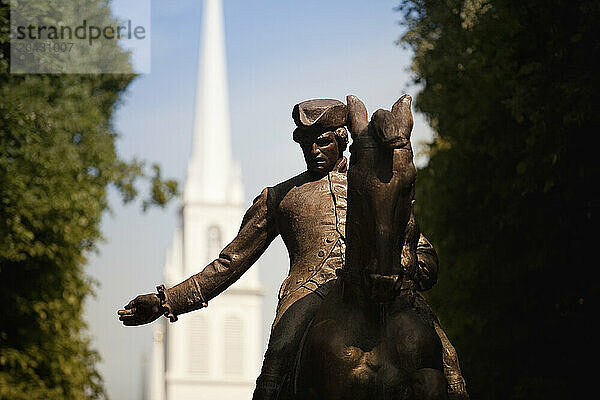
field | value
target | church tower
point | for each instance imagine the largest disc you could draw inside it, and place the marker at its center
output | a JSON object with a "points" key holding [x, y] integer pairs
{"points": [[213, 353]]}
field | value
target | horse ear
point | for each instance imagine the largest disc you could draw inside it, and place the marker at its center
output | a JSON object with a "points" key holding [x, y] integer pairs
{"points": [[386, 128], [403, 114], [357, 119], [401, 105]]}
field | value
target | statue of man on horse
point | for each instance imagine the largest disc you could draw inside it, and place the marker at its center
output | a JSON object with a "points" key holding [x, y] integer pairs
{"points": [[380, 254]]}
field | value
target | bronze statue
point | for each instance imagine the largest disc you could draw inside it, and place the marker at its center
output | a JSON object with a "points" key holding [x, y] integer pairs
{"points": [[309, 212], [373, 336]]}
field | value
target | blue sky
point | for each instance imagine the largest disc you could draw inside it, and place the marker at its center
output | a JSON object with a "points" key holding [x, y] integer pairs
{"points": [[279, 53]]}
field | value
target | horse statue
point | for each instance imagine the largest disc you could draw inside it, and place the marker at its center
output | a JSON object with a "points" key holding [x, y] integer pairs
{"points": [[372, 338]]}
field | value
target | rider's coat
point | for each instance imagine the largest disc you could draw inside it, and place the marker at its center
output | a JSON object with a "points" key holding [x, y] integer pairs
{"points": [[309, 215]]}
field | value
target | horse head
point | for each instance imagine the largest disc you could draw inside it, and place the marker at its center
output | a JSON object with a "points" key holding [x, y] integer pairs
{"points": [[381, 180]]}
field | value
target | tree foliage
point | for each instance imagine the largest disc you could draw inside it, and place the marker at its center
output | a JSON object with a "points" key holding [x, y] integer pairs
{"points": [[511, 89], [57, 158]]}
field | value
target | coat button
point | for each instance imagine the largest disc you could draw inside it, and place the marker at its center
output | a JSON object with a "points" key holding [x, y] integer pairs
{"points": [[321, 253]]}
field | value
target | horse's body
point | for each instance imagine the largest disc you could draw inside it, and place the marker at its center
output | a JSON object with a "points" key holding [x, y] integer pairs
{"points": [[369, 340]]}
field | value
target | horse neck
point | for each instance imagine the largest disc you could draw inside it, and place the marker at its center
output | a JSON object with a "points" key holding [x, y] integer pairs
{"points": [[380, 195], [379, 208]]}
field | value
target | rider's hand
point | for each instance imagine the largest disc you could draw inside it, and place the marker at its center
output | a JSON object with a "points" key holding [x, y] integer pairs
{"points": [[144, 309]]}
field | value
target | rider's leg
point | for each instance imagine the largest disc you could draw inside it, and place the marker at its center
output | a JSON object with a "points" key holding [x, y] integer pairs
{"points": [[457, 389], [283, 345], [429, 384]]}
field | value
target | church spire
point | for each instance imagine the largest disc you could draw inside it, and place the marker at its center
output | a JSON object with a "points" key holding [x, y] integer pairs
{"points": [[212, 210], [212, 176]]}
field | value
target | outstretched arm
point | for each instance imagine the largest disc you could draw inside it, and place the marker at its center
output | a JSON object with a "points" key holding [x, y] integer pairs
{"points": [[257, 231]]}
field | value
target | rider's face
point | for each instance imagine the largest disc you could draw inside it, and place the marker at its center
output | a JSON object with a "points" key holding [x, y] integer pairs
{"points": [[321, 152]]}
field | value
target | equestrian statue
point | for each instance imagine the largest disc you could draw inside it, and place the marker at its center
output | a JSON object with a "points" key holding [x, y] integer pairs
{"points": [[373, 333]]}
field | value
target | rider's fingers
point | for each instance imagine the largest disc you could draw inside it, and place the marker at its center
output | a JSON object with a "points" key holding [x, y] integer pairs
{"points": [[126, 317], [357, 119], [131, 322]]}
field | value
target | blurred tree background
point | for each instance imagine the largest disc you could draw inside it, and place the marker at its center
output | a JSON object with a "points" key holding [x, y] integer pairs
{"points": [[57, 159], [511, 89]]}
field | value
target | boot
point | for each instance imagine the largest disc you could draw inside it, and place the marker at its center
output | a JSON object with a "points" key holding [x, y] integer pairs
{"points": [[267, 388], [457, 388]]}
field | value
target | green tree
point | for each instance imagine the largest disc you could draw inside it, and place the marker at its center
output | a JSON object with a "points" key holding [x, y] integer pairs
{"points": [[511, 90], [57, 159]]}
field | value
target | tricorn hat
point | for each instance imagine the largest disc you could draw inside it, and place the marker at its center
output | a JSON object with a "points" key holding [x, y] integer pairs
{"points": [[317, 115]]}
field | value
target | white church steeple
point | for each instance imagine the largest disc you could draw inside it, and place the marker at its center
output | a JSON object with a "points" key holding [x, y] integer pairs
{"points": [[212, 175], [214, 352]]}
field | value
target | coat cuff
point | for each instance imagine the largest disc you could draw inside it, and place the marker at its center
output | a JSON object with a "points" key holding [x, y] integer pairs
{"points": [[180, 299]]}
